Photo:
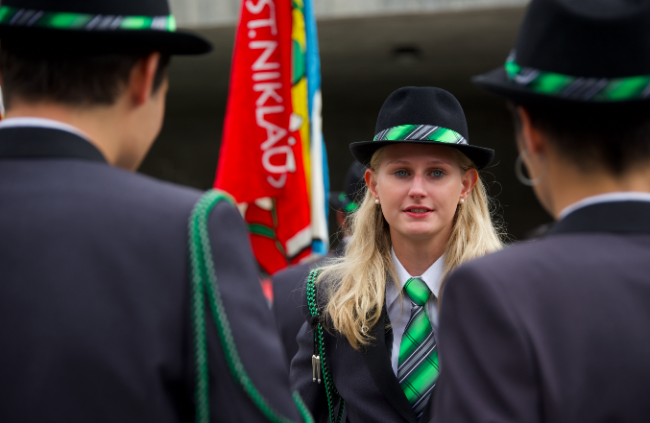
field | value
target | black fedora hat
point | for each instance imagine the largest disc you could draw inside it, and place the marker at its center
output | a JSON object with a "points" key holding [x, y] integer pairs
{"points": [[594, 53], [354, 188], [422, 115], [87, 27]]}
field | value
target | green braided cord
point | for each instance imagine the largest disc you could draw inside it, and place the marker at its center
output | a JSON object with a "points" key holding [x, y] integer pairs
{"points": [[420, 133], [331, 393], [198, 326], [576, 87], [14, 16], [204, 281]]}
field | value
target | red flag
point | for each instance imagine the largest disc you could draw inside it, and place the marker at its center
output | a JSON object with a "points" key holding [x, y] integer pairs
{"points": [[261, 162]]}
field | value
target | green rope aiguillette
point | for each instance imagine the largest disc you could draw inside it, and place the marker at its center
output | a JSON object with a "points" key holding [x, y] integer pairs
{"points": [[204, 283], [319, 362]]}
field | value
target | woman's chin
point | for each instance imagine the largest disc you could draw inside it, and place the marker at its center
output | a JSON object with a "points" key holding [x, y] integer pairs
{"points": [[419, 232]]}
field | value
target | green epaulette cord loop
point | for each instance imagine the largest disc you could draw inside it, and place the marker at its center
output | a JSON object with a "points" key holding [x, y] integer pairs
{"points": [[204, 281], [331, 392]]}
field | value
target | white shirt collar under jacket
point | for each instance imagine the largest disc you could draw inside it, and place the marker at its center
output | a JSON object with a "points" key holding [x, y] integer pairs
{"points": [[610, 197], [399, 307], [34, 122]]}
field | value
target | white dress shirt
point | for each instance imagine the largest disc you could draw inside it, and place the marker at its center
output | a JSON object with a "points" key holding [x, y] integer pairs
{"points": [[610, 197], [34, 122], [399, 306]]}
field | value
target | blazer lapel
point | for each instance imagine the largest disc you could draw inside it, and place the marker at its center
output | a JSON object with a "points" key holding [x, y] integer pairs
{"points": [[378, 361]]}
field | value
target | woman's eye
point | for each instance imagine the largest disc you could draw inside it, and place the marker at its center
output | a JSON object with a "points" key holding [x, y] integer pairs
{"points": [[401, 173], [437, 173]]}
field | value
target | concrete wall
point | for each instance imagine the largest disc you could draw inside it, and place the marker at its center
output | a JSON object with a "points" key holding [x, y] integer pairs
{"points": [[215, 13]]}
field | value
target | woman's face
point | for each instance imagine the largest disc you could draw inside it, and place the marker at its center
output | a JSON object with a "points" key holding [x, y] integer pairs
{"points": [[419, 187]]}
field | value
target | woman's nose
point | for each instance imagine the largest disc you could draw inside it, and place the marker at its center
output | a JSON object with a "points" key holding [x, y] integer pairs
{"points": [[417, 187]]}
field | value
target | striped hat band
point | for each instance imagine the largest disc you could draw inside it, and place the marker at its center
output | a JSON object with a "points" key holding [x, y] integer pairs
{"points": [[577, 87], [14, 16], [420, 133]]}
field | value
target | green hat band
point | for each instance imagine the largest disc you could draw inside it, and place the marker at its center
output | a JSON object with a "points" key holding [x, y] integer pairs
{"points": [[420, 133], [577, 87], [348, 205], [61, 20]]}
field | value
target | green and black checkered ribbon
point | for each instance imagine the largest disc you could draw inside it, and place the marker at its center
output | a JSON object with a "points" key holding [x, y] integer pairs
{"points": [[578, 87], [420, 133], [14, 16], [418, 368]]}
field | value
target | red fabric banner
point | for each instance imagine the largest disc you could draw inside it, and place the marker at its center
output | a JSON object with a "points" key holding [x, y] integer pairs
{"points": [[261, 158]]}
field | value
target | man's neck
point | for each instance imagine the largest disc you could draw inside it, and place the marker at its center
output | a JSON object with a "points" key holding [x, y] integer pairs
{"points": [[569, 185]]}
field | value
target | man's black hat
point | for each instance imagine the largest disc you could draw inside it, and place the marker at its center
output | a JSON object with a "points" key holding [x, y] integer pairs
{"points": [[87, 27], [422, 115], [354, 188], [578, 52]]}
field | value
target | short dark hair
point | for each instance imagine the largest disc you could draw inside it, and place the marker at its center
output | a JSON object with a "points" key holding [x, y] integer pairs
{"points": [[613, 138], [72, 80]]}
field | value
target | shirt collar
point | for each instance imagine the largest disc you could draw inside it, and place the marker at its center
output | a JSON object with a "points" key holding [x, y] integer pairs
{"points": [[35, 122], [432, 276], [609, 197]]}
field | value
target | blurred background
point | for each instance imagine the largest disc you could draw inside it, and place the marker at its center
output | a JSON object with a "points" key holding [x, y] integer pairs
{"points": [[368, 48]]}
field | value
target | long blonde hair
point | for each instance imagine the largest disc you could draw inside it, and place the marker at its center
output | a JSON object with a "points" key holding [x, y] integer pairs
{"points": [[356, 283]]}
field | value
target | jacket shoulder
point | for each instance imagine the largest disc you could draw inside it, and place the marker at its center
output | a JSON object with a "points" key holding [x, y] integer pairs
{"points": [[513, 259], [140, 194]]}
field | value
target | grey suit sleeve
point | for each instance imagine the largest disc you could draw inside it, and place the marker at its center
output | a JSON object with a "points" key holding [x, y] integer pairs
{"points": [[312, 393], [487, 370], [252, 325]]}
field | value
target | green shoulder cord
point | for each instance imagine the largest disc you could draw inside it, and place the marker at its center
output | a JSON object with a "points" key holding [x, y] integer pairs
{"points": [[318, 360], [204, 282]]}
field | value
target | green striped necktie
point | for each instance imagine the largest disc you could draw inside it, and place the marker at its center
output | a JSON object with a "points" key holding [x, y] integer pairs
{"points": [[417, 368]]}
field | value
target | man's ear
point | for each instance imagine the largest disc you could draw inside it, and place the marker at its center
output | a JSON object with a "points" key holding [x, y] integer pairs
{"points": [[532, 139], [142, 77], [371, 180]]}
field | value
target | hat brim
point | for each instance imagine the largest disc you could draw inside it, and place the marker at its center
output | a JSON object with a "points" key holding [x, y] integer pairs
{"points": [[363, 150], [68, 41], [497, 82]]}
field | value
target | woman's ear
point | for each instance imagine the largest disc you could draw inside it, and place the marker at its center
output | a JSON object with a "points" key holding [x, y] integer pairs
{"points": [[468, 181], [371, 181]]}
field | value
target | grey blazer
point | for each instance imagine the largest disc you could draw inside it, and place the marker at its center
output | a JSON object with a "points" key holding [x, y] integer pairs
{"points": [[555, 330], [94, 294]]}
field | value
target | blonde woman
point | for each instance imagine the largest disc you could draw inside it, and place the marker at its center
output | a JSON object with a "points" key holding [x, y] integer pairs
{"points": [[425, 213]]}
